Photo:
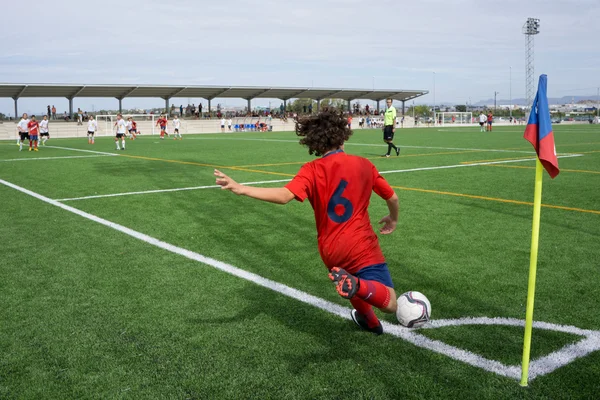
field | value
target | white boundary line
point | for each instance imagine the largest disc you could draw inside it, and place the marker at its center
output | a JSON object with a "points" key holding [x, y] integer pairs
{"points": [[548, 363], [57, 158], [84, 151], [99, 196], [540, 366], [165, 190], [369, 144], [470, 165]]}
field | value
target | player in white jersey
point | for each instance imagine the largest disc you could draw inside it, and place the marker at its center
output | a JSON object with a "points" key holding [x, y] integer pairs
{"points": [[229, 122], [121, 129], [92, 128], [44, 132], [176, 128], [23, 131], [222, 124], [482, 121]]}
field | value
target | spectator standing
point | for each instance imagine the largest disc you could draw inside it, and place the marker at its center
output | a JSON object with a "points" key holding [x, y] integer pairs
{"points": [[53, 112], [181, 110], [49, 113], [79, 116]]}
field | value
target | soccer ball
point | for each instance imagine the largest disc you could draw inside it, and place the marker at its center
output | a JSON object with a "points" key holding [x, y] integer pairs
{"points": [[413, 309]]}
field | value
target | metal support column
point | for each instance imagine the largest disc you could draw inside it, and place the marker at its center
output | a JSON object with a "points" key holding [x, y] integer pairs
{"points": [[318, 105], [120, 105], [167, 105], [285, 106], [249, 106], [349, 107], [403, 108], [209, 108], [377, 106], [16, 109], [71, 107]]}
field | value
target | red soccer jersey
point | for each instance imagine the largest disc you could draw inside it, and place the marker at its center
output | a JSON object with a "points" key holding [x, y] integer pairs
{"points": [[339, 187], [133, 124], [162, 122], [490, 117], [33, 127]]}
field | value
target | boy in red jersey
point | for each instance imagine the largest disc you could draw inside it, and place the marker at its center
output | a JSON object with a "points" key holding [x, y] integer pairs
{"points": [[34, 128], [490, 120], [162, 122], [132, 127], [339, 187]]}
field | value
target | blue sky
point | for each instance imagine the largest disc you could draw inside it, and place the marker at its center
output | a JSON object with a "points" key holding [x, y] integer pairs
{"points": [[470, 45]]}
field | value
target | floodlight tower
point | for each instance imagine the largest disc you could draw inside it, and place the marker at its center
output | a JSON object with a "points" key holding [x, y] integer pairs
{"points": [[530, 28]]}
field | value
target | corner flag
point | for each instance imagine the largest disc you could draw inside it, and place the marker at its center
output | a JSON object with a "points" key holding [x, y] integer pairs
{"points": [[539, 129], [539, 133]]}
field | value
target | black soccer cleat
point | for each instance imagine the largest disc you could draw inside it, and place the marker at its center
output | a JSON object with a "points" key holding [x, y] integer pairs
{"points": [[362, 323], [397, 151]]}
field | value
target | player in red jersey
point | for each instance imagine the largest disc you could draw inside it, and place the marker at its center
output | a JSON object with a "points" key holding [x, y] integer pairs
{"points": [[34, 128], [490, 120], [338, 186], [162, 122]]}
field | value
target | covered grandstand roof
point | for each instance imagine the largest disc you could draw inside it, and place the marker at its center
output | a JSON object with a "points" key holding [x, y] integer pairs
{"points": [[15, 91]]}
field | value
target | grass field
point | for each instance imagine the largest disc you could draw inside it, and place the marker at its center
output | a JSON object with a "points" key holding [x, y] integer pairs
{"points": [[90, 311]]}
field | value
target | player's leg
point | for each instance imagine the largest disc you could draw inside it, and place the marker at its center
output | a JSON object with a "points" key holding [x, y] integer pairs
{"points": [[123, 142], [117, 141], [371, 287], [391, 144]]}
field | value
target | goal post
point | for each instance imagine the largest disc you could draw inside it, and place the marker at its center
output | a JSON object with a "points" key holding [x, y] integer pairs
{"points": [[146, 123], [455, 118]]}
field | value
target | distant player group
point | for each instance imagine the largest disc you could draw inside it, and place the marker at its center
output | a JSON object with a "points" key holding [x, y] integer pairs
{"points": [[486, 119], [31, 130], [129, 129]]}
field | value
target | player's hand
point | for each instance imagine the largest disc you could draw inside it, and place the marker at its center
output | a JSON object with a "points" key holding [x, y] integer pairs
{"points": [[389, 225], [227, 183], [393, 130]]}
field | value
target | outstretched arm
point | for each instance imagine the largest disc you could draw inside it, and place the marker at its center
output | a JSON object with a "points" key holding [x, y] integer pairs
{"points": [[390, 220], [272, 195]]}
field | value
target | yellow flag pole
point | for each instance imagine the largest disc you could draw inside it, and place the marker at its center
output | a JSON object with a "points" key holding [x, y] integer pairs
{"points": [[535, 235]]}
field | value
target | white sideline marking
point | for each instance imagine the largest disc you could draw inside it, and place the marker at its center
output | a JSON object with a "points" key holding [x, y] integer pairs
{"points": [[99, 196], [539, 367], [470, 165], [84, 151], [371, 145], [165, 190], [56, 158], [548, 363]]}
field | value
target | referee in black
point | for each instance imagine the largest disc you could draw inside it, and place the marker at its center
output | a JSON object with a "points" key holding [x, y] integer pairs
{"points": [[389, 128]]}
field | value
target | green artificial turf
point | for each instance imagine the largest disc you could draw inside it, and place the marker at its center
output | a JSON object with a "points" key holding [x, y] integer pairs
{"points": [[89, 312]]}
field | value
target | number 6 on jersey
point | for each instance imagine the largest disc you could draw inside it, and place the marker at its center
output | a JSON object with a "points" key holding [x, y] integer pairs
{"points": [[337, 203]]}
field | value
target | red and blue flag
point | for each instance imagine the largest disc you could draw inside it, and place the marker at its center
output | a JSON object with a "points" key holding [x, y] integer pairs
{"points": [[539, 129]]}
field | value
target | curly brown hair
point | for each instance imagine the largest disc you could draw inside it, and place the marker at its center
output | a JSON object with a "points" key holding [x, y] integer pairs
{"points": [[323, 132]]}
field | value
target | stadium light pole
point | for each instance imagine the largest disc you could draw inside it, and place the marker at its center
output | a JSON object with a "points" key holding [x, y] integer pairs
{"points": [[530, 29], [510, 90], [495, 107], [434, 120]]}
